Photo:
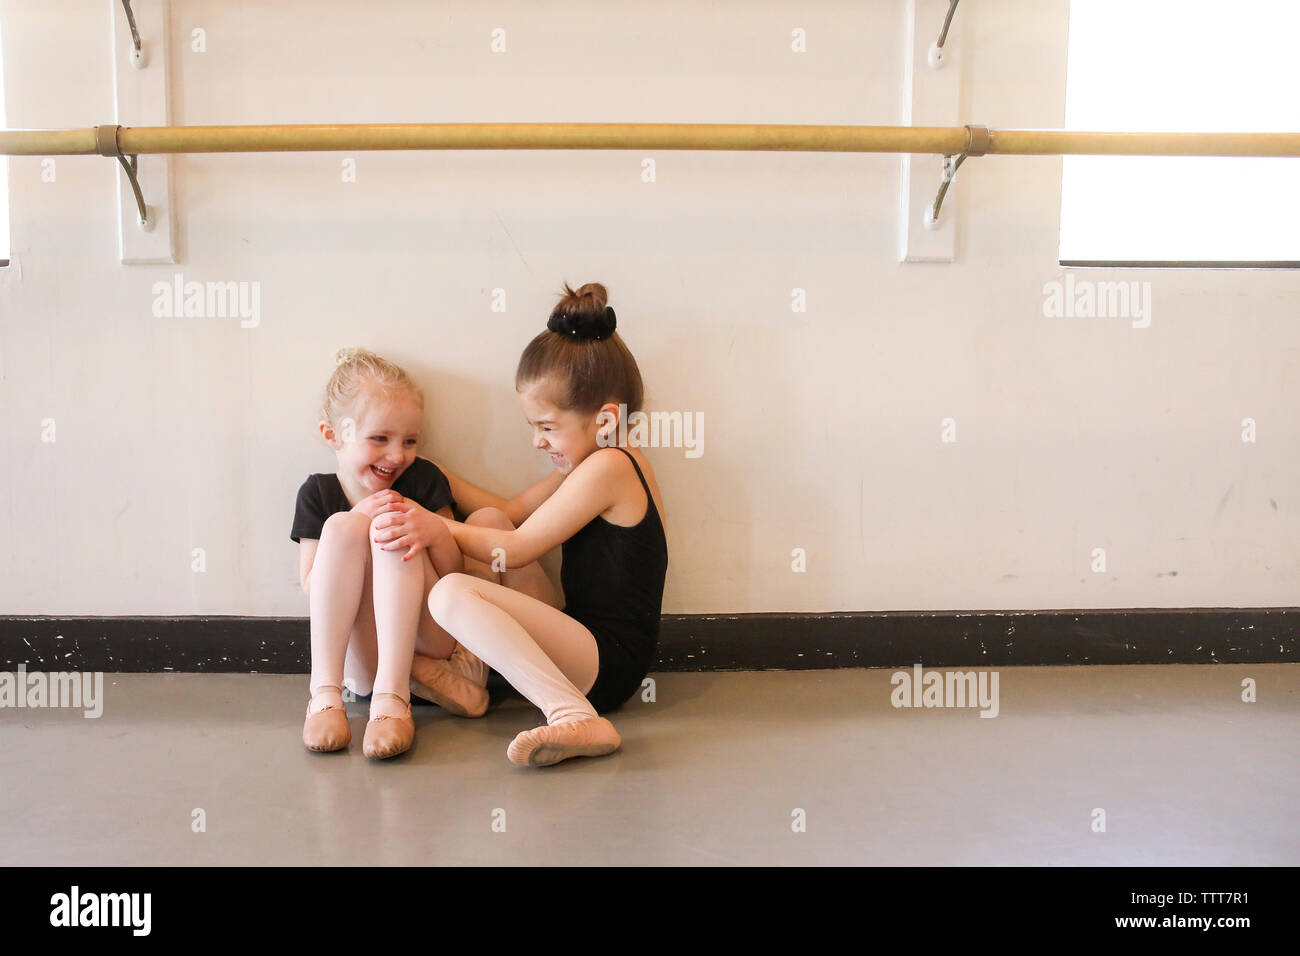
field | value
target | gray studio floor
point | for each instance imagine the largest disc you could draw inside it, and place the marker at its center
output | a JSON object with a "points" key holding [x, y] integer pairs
{"points": [[710, 773]]}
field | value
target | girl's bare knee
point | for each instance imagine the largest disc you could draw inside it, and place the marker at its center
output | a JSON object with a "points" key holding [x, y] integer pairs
{"points": [[346, 523], [444, 595], [491, 518]]}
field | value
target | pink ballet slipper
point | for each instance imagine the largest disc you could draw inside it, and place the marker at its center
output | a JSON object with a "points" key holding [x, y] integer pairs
{"points": [[327, 729], [444, 683], [388, 736], [543, 746]]}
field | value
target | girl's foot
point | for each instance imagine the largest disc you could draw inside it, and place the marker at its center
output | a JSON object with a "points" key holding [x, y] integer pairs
{"points": [[543, 746], [454, 684], [388, 734], [326, 728]]}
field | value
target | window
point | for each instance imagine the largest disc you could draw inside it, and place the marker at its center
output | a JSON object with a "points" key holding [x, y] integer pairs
{"points": [[1195, 66], [4, 170]]}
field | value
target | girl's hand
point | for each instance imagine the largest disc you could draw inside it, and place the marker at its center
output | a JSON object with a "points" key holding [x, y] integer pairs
{"points": [[378, 503], [406, 524]]}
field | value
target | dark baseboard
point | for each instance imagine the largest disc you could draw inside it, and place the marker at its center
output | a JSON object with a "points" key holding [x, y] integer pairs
{"points": [[712, 642]]}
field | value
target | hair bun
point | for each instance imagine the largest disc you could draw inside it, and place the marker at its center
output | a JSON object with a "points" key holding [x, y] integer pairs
{"points": [[584, 326]]}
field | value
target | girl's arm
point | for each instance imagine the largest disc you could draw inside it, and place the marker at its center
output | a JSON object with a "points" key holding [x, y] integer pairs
{"points": [[589, 490], [443, 552], [306, 559], [471, 498], [521, 507]]}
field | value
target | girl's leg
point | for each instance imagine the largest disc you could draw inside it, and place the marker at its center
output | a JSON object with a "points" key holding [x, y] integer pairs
{"points": [[430, 639], [546, 655], [335, 579], [442, 669], [398, 604], [431, 642], [344, 622], [362, 663], [335, 594], [398, 589], [530, 580], [363, 647]]}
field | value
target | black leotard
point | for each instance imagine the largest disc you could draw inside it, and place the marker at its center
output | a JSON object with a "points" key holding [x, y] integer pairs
{"points": [[613, 581], [321, 495]]}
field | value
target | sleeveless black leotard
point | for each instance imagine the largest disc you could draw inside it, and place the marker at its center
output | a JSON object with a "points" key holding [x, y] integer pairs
{"points": [[613, 581]]}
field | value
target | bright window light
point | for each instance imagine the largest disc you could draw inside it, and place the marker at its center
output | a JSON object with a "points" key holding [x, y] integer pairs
{"points": [[1194, 66], [4, 169]]}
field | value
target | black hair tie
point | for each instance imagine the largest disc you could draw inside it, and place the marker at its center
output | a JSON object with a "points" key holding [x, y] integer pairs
{"points": [[584, 327]]}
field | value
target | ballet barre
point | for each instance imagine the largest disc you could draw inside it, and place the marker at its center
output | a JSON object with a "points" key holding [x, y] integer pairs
{"points": [[956, 143], [949, 141]]}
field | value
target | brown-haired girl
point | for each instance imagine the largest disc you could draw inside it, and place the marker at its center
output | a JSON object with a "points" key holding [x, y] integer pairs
{"points": [[576, 381]]}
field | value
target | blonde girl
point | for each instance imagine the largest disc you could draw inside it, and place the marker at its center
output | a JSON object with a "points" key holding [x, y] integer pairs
{"points": [[368, 613]]}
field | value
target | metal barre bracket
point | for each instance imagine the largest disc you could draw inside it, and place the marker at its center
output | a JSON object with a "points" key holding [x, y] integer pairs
{"points": [[137, 51], [977, 144], [106, 143], [935, 57]]}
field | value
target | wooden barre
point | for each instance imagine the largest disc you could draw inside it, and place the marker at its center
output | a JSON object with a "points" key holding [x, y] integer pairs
{"points": [[141, 140]]}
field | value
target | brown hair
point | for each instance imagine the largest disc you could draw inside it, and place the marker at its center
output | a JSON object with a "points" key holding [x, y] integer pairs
{"points": [[358, 372], [588, 366]]}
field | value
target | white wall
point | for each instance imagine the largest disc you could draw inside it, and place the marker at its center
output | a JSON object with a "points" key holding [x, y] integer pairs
{"points": [[821, 429]]}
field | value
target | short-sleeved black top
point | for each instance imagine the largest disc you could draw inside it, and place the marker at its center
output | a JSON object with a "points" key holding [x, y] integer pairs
{"points": [[321, 495]]}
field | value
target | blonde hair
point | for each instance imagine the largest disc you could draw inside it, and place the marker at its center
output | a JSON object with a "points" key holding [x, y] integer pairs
{"points": [[357, 371]]}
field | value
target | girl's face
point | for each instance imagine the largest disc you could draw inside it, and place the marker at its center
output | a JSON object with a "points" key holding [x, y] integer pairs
{"points": [[566, 437], [382, 441]]}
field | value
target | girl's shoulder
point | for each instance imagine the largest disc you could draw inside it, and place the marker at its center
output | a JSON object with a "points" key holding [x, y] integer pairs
{"points": [[619, 460], [425, 465], [642, 462]]}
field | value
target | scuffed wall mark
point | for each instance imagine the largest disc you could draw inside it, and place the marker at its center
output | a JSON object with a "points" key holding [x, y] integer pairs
{"points": [[1224, 500], [515, 247], [1273, 503]]}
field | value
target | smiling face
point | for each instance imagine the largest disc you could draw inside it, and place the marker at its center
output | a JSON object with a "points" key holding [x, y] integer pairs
{"points": [[381, 443], [566, 437]]}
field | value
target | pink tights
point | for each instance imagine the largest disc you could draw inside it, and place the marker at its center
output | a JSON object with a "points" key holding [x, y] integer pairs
{"points": [[368, 618], [512, 623]]}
